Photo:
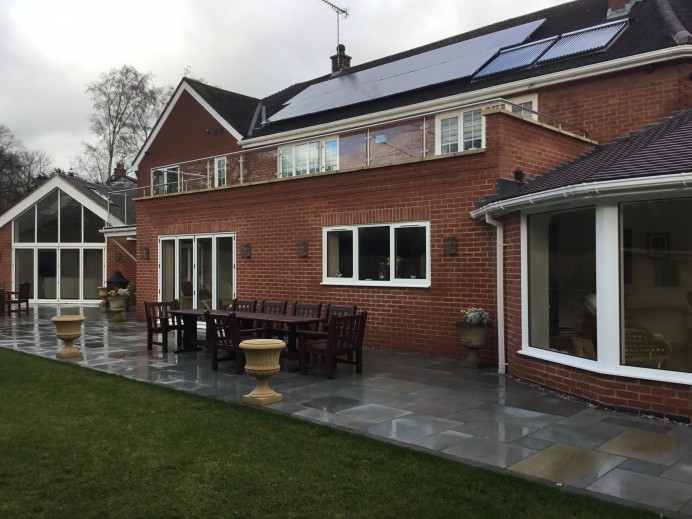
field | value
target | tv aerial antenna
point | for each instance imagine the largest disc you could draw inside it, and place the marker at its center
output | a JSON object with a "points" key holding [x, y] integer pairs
{"points": [[340, 11]]}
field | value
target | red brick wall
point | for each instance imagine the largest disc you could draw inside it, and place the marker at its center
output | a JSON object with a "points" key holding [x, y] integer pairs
{"points": [[6, 252], [612, 106], [126, 265]]}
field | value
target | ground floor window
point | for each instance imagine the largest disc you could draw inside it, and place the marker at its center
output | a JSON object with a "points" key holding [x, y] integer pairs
{"points": [[396, 254], [562, 281], [656, 265], [612, 284], [197, 270]]}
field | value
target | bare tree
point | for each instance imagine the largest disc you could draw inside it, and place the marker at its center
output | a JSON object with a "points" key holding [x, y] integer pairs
{"points": [[19, 169], [125, 108]]}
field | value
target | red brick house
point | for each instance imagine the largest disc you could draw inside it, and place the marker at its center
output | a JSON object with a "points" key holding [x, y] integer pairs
{"points": [[439, 178]]}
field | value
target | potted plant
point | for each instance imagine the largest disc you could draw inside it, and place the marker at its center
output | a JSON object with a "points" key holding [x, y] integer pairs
{"points": [[473, 325], [117, 302]]}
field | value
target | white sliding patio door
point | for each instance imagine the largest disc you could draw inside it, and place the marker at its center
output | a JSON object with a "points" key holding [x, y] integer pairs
{"points": [[197, 270]]}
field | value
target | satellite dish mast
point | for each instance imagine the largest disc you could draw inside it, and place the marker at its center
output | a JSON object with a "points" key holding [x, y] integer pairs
{"points": [[340, 11]]}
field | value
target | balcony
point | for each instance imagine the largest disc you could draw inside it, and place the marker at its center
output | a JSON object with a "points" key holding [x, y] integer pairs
{"points": [[394, 142]]}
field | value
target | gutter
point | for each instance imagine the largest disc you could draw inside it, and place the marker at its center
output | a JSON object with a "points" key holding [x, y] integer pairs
{"points": [[477, 96], [500, 290], [673, 182]]}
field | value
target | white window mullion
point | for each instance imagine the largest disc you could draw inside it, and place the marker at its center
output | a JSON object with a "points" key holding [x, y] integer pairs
{"points": [[608, 285]]}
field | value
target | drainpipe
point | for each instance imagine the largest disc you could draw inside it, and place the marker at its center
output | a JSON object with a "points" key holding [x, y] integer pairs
{"points": [[500, 282]]}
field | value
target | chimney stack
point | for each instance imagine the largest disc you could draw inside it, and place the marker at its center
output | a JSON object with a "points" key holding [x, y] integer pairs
{"points": [[340, 60], [617, 8], [119, 171]]}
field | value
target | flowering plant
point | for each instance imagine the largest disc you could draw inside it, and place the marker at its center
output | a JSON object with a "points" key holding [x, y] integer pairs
{"points": [[113, 292], [474, 317]]}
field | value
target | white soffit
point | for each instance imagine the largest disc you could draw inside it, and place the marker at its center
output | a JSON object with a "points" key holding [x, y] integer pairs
{"points": [[436, 66]]}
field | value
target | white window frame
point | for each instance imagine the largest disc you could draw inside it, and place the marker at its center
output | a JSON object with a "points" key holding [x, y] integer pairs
{"points": [[393, 281], [459, 115], [298, 159], [217, 172]]}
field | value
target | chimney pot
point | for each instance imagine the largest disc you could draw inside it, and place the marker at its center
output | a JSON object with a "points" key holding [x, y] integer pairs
{"points": [[340, 60]]}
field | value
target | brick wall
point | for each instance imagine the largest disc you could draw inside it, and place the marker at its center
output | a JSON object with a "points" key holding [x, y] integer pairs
{"points": [[274, 217], [612, 106], [6, 252]]}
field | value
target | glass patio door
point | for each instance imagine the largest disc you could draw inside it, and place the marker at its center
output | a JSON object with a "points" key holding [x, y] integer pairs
{"points": [[197, 270]]}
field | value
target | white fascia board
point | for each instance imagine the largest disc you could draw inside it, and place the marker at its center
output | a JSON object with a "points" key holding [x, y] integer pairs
{"points": [[183, 87], [46, 188], [504, 90], [676, 183]]}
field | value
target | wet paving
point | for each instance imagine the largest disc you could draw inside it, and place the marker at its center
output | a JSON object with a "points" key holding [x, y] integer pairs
{"points": [[429, 403]]}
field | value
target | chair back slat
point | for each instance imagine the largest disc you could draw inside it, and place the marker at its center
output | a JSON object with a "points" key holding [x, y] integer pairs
{"points": [[308, 310], [273, 307]]}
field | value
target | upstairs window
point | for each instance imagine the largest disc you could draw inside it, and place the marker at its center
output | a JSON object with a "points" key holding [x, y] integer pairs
{"points": [[464, 130], [459, 131], [309, 157], [164, 181], [220, 172]]}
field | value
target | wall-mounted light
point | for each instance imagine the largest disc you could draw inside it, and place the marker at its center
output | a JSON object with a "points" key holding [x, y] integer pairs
{"points": [[519, 177], [145, 253], [302, 249], [246, 251], [449, 246], [117, 256]]}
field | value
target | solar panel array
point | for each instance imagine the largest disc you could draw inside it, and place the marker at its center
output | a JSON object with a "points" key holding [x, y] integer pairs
{"points": [[518, 57], [455, 61], [586, 40], [570, 44]]}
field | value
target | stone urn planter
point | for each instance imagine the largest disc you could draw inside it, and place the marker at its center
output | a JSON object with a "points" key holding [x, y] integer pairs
{"points": [[68, 328], [117, 304], [474, 338], [261, 362], [103, 294]]}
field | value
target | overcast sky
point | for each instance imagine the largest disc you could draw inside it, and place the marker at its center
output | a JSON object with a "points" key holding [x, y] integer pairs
{"points": [[50, 49]]}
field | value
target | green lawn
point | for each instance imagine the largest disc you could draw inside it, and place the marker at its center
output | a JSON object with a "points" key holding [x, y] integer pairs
{"points": [[77, 443]]}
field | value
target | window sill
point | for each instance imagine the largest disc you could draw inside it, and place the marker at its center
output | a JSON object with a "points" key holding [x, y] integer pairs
{"points": [[659, 375], [403, 283]]}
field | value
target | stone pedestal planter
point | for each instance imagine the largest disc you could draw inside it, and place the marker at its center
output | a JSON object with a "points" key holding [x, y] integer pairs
{"points": [[261, 362], [474, 338], [103, 294], [68, 328], [117, 304]]}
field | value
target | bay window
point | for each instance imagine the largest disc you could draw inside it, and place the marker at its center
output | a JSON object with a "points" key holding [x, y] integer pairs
{"points": [[386, 254]]}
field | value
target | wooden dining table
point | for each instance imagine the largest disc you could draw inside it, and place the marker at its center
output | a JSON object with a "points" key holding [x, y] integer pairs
{"points": [[293, 323]]}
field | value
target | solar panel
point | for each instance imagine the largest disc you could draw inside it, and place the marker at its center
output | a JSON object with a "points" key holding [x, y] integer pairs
{"points": [[586, 40], [518, 57], [454, 61]]}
